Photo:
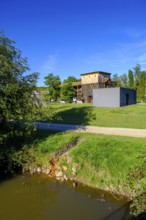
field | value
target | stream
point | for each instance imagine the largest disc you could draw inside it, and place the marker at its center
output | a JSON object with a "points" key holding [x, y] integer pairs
{"points": [[37, 197]]}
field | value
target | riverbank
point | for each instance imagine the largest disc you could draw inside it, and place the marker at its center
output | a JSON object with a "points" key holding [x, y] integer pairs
{"points": [[111, 163]]}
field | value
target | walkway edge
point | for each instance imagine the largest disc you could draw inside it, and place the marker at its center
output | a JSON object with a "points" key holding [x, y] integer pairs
{"points": [[130, 132]]}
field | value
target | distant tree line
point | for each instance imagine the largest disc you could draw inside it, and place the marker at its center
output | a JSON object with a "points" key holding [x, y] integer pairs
{"points": [[135, 79]]}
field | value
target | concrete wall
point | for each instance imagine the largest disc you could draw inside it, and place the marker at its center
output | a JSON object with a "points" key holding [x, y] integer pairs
{"points": [[113, 97], [106, 97]]}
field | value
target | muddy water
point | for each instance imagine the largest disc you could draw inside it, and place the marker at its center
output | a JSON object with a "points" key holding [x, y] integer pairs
{"points": [[41, 198]]}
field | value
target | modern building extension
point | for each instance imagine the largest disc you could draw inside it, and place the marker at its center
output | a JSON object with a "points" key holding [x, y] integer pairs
{"points": [[113, 97]]}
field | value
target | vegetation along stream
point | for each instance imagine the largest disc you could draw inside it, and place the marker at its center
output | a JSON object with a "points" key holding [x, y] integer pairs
{"points": [[36, 197]]}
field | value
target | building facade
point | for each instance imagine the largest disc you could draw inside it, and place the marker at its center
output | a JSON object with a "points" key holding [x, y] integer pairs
{"points": [[93, 80]]}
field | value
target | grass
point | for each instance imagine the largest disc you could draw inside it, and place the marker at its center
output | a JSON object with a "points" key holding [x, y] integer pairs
{"points": [[109, 161], [56, 141], [84, 114], [102, 161]]}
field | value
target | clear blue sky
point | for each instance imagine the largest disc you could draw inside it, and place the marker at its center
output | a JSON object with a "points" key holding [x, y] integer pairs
{"points": [[70, 37]]}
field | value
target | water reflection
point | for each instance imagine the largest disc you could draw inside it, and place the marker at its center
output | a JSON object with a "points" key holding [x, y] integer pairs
{"points": [[41, 198]]}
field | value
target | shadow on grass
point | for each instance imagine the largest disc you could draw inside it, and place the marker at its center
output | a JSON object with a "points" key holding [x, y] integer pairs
{"points": [[76, 116], [43, 134]]}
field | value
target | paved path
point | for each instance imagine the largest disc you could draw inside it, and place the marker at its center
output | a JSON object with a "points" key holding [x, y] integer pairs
{"points": [[94, 129]]}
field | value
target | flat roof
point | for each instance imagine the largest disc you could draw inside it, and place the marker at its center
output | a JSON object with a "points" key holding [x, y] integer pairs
{"points": [[100, 72]]}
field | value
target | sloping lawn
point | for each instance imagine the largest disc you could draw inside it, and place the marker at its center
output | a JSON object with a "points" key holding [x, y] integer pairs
{"points": [[133, 116]]}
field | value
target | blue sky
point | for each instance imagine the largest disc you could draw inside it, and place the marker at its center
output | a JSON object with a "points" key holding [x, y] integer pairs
{"points": [[70, 37]]}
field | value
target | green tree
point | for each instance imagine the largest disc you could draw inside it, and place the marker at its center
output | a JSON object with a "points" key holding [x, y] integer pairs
{"points": [[71, 79], [116, 80], [124, 80], [142, 86], [137, 73], [67, 92], [53, 84], [17, 102], [130, 79], [16, 88]]}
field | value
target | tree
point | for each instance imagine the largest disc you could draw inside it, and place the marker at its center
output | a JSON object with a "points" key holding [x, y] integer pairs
{"points": [[71, 79], [116, 80], [67, 92], [16, 89], [17, 105], [130, 79], [53, 84], [137, 72], [124, 80], [142, 86]]}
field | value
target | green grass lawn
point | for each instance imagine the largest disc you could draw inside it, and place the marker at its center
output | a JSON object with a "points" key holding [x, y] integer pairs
{"points": [[133, 116]]}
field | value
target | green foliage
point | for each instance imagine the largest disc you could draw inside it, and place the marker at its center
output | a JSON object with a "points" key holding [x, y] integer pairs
{"points": [[124, 80], [116, 80], [130, 79], [71, 79], [137, 72], [18, 108], [67, 93], [16, 89], [141, 88], [53, 84], [136, 79]]}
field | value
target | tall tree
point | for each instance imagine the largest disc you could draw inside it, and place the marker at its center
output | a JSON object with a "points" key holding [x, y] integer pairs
{"points": [[16, 89], [130, 79], [67, 93], [53, 84], [124, 80], [17, 105], [142, 86], [137, 72], [116, 80]]}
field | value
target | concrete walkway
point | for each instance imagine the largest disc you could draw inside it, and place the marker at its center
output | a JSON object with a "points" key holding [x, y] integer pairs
{"points": [[93, 129]]}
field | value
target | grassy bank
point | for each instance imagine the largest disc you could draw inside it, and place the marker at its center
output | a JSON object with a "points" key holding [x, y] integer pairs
{"points": [[112, 163], [84, 114], [115, 164], [102, 161]]}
